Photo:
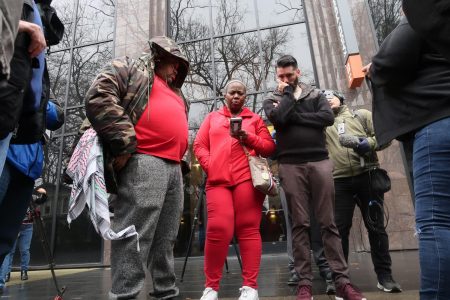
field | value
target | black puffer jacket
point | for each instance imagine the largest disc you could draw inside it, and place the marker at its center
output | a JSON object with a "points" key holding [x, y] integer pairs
{"points": [[411, 85], [12, 90]]}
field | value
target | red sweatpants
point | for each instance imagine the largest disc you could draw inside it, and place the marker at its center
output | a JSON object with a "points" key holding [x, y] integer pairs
{"points": [[233, 210]]}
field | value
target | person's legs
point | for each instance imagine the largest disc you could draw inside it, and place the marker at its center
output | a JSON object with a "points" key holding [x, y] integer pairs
{"points": [[296, 187], [322, 193], [431, 160], [247, 206], [372, 211], [219, 232], [293, 280], [142, 190], [13, 208], [4, 267], [161, 261], [10, 257], [319, 256], [5, 178], [317, 249], [4, 145], [24, 241], [343, 210]]}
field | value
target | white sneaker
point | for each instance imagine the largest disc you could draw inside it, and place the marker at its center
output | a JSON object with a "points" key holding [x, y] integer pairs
{"points": [[209, 294], [248, 293]]}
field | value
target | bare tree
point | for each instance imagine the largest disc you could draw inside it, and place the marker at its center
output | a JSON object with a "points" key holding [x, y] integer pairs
{"points": [[385, 15], [235, 56], [90, 25]]}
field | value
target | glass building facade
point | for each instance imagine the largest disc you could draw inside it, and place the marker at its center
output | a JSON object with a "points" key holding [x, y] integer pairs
{"points": [[87, 45], [223, 40]]}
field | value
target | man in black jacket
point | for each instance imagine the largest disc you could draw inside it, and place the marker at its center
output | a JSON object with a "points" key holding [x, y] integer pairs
{"points": [[431, 20], [300, 115]]}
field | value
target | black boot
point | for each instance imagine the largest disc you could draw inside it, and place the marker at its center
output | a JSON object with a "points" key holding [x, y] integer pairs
{"points": [[331, 289], [294, 279], [23, 275], [8, 277]]}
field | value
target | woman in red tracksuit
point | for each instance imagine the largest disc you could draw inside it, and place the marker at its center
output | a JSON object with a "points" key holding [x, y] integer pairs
{"points": [[234, 205]]}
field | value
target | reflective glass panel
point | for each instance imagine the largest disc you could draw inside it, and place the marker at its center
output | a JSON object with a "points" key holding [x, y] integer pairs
{"points": [[273, 12], [95, 21], [65, 9], [86, 64], [199, 82], [189, 19], [233, 16], [292, 40], [385, 16]]}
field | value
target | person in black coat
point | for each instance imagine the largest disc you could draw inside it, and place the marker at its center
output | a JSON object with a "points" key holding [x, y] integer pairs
{"points": [[431, 20], [411, 102]]}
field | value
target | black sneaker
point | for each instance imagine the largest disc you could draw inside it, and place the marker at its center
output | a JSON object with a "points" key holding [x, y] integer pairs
{"points": [[8, 277], [331, 288], [387, 284], [294, 279], [23, 275]]}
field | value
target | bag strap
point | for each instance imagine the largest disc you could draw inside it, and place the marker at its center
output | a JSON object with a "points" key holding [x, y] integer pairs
{"points": [[364, 125], [247, 153]]}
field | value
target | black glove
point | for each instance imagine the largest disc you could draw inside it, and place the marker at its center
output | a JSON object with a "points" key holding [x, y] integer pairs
{"points": [[363, 146]]}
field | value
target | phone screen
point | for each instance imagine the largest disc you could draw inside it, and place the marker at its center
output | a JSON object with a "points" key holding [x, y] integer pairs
{"points": [[235, 125], [328, 94]]}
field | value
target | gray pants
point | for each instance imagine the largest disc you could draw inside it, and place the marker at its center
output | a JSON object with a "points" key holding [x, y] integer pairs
{"points": [[150, 196]]}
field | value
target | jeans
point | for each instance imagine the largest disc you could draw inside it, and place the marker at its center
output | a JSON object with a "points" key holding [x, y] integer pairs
{"points": [[352, 191], [24, 242], [4, 145], [431, 164], [15, 195]]}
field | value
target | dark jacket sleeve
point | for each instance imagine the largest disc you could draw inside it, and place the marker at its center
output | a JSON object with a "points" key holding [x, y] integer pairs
{"points": [[322, 117], [278, 111], [398, 57], [55, 115], [104, 110]]}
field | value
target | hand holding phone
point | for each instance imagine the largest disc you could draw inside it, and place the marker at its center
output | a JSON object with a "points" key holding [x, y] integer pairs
{"points": [[235, 125]]}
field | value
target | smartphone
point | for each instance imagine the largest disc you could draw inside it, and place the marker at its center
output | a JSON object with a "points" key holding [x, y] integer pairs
{"points": [[235, 125], [329, 94]]}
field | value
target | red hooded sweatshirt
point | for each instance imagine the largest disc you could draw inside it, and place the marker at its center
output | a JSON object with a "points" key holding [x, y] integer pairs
{"points": [[222, 156]]}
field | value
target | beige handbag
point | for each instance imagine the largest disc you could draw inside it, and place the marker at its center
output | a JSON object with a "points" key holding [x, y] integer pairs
{"points": [[262, 178]]}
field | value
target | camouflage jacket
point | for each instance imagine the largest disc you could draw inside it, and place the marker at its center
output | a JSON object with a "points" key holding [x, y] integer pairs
{"points": [[118, 97]]}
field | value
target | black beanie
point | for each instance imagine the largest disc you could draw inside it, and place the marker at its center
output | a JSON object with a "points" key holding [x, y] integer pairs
{"points": [[339, 95]]}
